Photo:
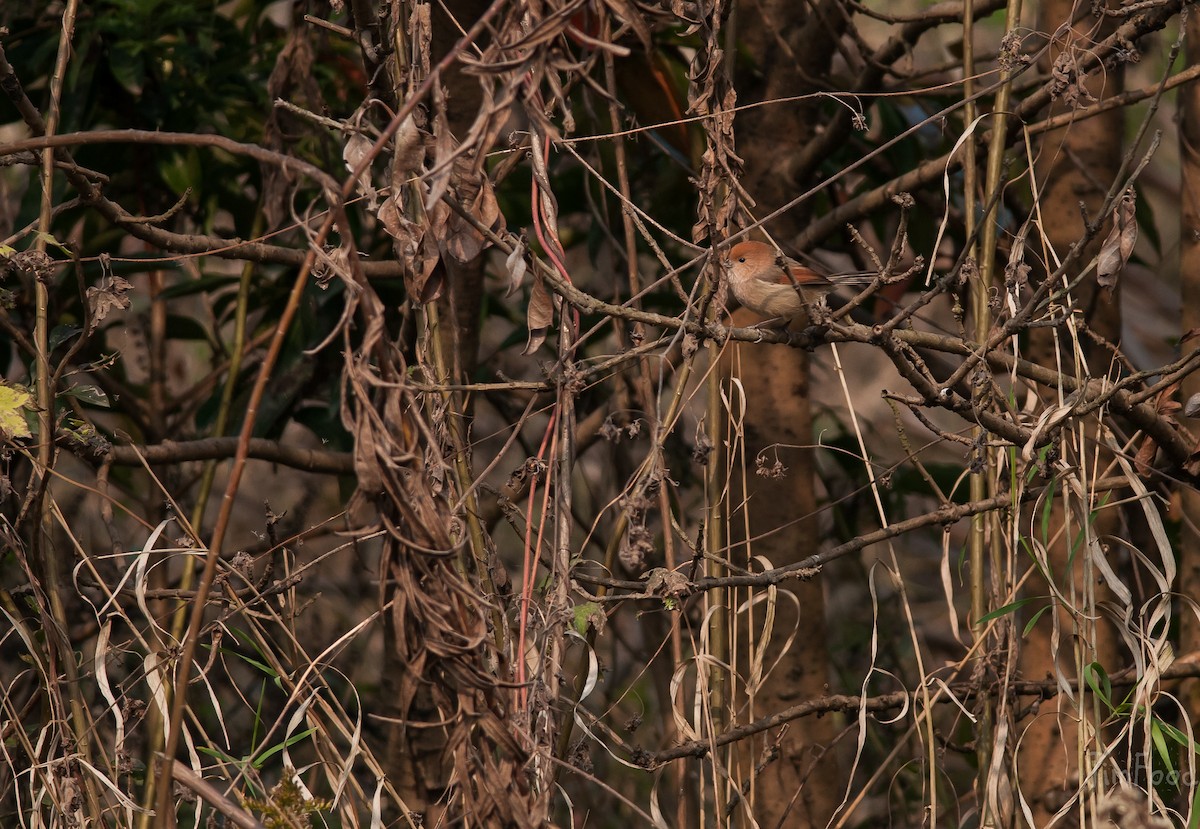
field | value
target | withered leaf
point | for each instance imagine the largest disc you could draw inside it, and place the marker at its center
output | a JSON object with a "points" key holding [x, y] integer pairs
{"points": [[1166, 403], [292, 79], [627, 12], [416, 249], [409, 154], [1118, 247], [539, 314], [636, 549], [102, 299], [516, 267], [356, 151], [664, 582], [390, 215], [1144, 459], [463, 241], [443, 160], [420, 29]]}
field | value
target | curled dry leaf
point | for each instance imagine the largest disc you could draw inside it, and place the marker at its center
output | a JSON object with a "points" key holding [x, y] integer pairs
{"points": [[102, 299], [626, 12], [516, 267], [636, 550], [420, 31], [1192, 407], [1118, 247], [443, 159], [356, 151], [460, 238], [332, 264], [663, 582], [1144, 460], [539, 314], [1049, 419], [1017, 270], [416, 249], [1192, 465], [1166, 405], [292, 80], [409, 154]]}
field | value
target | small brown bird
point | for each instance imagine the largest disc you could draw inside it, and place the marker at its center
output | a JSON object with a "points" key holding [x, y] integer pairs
{"points": [[758, 282]]}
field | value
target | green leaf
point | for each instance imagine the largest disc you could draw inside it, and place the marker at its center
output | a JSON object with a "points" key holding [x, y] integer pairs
{"points": [[128, 68], [588, 614], [1008, 608], [187, 328], [1160, 744], [218, 754], [1047, 508], [262, 666], [50, 240], [275, 749], [1180, 737], [61, 334], [88, 394], [1033, 620], [1097, 679]]}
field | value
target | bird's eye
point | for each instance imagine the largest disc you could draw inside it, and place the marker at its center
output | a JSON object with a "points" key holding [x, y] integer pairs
{"points": [[742, 259]]}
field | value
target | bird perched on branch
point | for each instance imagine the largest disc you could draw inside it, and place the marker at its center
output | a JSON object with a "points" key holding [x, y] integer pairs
{"points": [[765, 281]]}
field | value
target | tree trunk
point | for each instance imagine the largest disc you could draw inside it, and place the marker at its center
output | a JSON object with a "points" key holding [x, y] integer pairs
{"points": [[795, 42], [1076, 166], [1189, 278]]}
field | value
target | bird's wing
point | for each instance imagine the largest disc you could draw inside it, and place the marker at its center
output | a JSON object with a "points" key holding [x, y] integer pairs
{"points": [[801, 275]]}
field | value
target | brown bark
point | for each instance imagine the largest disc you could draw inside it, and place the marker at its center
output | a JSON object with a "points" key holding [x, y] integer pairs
{"points": [[464, 280], [796, 43], [794, 789], [1189, 278], [1076, 166]]}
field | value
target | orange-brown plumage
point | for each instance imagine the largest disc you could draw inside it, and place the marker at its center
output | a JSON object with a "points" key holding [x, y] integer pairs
{"points": [[757, 281]]}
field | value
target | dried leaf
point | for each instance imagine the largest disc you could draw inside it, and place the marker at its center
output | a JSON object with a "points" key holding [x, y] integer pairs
{"points": [[420, 30], [292, 79], [1166, 404], [416, 248], [409, 154], [464, 241], [1118, 247], [1169, 407], [636, 549], [443, 165], [1192, 465], [627, 12], [663, 582], [106, 297], [538, 315], [390, 215], [1144, 459], [516, 267], [356, 151]]}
